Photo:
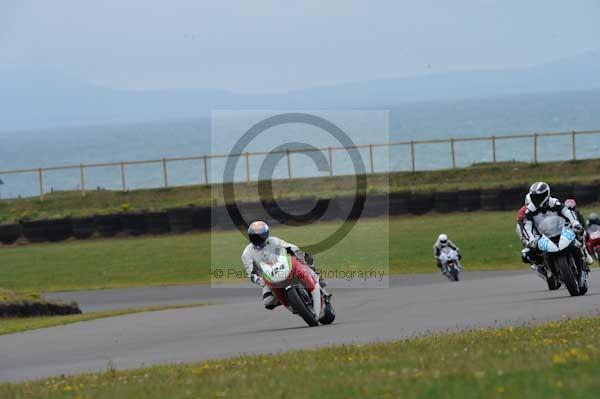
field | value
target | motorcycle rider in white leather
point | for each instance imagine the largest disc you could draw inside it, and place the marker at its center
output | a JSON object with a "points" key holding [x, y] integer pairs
{"points": [[540, 204], [265, 248]]}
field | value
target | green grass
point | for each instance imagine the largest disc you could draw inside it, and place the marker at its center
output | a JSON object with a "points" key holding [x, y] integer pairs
{"points": [[61, 204], [554, 360], [13, 325], [487, 240]]}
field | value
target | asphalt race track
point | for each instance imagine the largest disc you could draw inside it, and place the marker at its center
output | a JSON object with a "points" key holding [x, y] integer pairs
{"points": [[236, 322]]}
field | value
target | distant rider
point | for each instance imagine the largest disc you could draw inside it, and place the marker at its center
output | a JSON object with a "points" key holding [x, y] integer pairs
{"points": [[593, 219], [572, 205], [263, 248], [441, 243], [539, 202]]}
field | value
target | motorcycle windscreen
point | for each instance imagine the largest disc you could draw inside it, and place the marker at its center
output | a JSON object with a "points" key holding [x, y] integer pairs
{"points": [[278, 272], [551, 226]]}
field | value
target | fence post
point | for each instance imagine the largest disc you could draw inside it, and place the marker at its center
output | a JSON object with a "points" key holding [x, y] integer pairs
{"points": [[123, 176], [205, 169], [330, 161], [165, 175], [494, 148], [82, 180], [247, 168], [573, 133], [371, 157], [453, 154], [412, 155], [41, 181], [535, 148], [289, 163]]}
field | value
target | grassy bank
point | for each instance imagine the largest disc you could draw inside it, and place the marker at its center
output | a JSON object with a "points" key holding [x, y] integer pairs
{"points": [[10, 326], [554, 360], [487, 240], [61, 204]]}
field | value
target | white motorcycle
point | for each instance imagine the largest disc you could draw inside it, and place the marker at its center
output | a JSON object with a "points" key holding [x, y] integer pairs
{"points": [[562, 254], [450, 262]]}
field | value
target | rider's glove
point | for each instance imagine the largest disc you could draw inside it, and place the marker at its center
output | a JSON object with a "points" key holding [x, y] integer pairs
{"points": [[258, 280], [532, 243], [578, 229]]}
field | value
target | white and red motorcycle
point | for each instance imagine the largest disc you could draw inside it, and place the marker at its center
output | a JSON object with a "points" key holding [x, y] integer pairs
{"points": [[297, 287]]}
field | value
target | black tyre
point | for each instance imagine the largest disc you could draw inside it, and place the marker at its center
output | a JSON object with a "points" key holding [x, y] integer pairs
{"points": [[564, 264], [454, 275], [328, 314], [553, 283], [300, 307]]}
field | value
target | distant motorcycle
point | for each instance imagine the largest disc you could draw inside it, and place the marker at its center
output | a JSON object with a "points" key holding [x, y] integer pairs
{"points": [[561, 254], [593, 242], [295, 284], [450, 262]]}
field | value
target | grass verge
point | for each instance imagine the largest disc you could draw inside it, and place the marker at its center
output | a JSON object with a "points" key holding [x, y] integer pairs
{"points": [[554, 360], [10, 326], [509, 174], [487, 241]]}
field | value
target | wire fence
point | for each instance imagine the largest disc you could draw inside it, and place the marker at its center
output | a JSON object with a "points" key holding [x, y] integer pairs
{"points": [[537, 142]]}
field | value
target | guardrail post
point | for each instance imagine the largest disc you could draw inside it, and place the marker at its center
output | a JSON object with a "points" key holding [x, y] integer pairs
{"points": [[453, 154], [123, 186], [165, 175], [41, 181], [82, 180], [247, 168], [330, 161], [204, 161], [494, 149], [371, 157], [573, 144], [412, 155], [289, 163], [535, 148]]}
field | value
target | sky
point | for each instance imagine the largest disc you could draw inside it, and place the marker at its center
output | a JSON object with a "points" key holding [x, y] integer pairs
{"points": [[269, 46]]}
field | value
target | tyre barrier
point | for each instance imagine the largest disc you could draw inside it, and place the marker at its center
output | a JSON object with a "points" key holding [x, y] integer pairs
{"points": [[491, 200], [133, 224], [445, 201], [181, 220], [563, 191], [35, 232], [9, 233], [108, 225], [59, 229], [32, 309], [513, 198], [420, 203], [469, 200], [83, 227], [202, 218], [585, 195], [157, 223], [398, 203]]}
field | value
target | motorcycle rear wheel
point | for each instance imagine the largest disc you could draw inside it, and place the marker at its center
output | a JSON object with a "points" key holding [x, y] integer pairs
{"points": [[296, 302]]}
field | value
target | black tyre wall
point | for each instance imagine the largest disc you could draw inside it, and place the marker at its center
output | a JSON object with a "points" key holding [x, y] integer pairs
{"points": [[9, 233]]}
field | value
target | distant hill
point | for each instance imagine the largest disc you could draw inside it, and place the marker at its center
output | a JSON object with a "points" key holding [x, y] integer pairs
{"points": [[33, 98]]}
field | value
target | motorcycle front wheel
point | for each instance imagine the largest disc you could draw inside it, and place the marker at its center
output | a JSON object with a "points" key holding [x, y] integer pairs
{"points": [[564, 264], [296, 302]]}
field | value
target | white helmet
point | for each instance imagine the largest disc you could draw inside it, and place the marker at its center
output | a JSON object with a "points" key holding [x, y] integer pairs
{"points": [[443, 238]]}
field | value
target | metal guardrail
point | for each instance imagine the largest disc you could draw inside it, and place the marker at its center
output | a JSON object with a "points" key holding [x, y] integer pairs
{"points": [[204, 158]]}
